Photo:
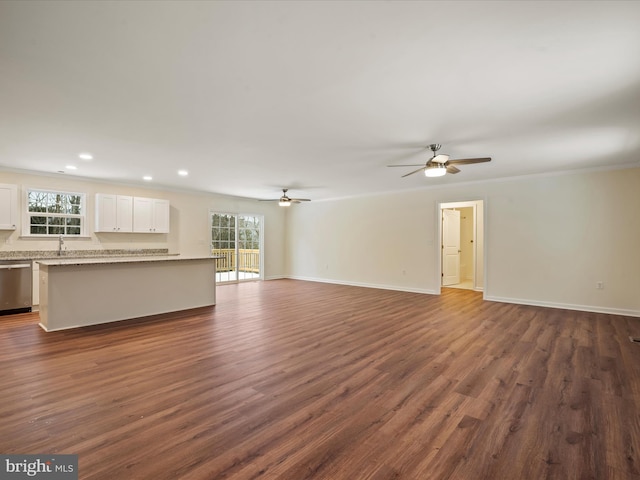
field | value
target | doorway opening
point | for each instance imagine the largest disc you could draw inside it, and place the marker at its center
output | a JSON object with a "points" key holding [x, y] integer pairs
{"points": [[237, 240], [462, 245]]}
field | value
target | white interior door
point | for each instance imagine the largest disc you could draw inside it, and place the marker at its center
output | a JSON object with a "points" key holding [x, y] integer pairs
{"points": [[450, 247]]}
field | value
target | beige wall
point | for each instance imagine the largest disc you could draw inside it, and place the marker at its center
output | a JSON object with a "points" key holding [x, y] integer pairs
{"points": [[548, 239], [190, 231]]}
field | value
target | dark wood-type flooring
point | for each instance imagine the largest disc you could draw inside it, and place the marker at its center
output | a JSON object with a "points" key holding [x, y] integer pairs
{"points": [[293, 380]]}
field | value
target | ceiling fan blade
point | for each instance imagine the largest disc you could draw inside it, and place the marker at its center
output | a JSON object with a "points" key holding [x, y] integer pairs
{"points": [[298, 200], [467, 161], [412, 165], [415, 171], [452, 169], [269, 200]]}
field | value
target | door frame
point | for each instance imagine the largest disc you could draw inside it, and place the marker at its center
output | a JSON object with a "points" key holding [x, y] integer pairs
{"points": [[259, 215], [438, 244]]}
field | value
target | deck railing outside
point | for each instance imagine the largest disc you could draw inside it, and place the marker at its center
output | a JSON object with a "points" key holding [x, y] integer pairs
{"points": [[247, 260]]}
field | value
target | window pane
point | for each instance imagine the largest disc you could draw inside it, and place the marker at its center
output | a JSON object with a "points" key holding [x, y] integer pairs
{"points": [[63, 203], [51, 203], [37, 201], [67, 207]]}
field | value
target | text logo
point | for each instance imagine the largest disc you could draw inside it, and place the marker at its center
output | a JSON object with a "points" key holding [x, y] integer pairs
{"points": [[49, 467]]}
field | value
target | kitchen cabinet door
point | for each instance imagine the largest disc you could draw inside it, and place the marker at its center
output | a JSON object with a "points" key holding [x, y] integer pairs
{"points": [[8, 206], [114, 213], [150, 215], [161, 216]]}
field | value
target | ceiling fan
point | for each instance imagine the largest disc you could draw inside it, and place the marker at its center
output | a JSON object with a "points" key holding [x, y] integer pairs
{"points": [[285, 201], [439, 164]]}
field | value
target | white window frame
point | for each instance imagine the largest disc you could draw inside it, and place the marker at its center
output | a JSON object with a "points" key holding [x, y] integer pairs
{"points": [[26, 214]]}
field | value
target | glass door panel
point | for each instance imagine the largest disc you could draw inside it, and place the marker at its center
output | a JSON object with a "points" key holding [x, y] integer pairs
{"points": [[238, 240]]}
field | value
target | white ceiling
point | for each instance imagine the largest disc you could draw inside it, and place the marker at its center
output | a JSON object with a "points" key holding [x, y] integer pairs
{"points": [[319, 97]]}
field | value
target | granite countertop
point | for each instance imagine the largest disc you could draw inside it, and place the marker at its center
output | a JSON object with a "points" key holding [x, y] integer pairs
{"points": [[113, 260], [75, 254]]}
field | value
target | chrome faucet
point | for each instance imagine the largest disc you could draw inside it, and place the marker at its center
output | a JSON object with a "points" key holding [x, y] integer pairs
{"points": [[60, 245]]}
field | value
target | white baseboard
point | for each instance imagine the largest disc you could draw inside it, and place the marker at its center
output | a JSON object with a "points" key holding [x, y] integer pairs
{"points": [[567, 306], [275, 277], [518, 301], [366, 285]]}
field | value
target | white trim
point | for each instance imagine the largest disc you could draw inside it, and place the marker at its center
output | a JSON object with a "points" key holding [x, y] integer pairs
{"points": [[566, 306], [275, 277], [26, 215], [440, 205], [488, 181], [366, 285], [518, 301], [261, 247]]}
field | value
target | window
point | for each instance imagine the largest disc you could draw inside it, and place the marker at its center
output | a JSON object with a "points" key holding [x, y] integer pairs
{"points": [[54, 213]]}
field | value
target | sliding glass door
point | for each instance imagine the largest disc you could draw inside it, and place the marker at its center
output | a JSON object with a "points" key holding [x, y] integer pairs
{"points": [[237, 238]]}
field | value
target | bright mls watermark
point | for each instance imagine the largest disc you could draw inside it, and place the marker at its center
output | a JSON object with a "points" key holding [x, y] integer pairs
{"points": [[49, 467]]}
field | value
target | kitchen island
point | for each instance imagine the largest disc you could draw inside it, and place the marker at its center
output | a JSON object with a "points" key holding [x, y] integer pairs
{"points": [[88, 291]]}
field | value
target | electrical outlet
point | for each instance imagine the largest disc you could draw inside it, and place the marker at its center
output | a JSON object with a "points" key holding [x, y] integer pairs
{"points": [[599, 285]]}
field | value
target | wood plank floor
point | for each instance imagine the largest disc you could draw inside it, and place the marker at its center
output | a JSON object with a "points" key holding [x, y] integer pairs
{"points": [[296, 380]]}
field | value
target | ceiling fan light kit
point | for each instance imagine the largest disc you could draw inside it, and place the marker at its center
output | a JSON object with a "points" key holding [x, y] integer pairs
{"points": [[435, 170], [439, 164]]}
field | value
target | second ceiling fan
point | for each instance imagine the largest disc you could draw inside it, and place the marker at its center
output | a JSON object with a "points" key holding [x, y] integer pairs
{"points": [[439, 164], [285, 200]]}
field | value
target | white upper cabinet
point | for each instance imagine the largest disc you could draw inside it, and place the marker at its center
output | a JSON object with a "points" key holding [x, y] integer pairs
{"points": [[150, 215], [114, 213], [161, 216], [8, 206], [121, 213]]}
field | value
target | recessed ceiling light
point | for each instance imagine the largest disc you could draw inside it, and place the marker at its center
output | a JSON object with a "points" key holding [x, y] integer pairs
{"points": [[71, 167], [183, 173], [148, 178], [85, 156]]}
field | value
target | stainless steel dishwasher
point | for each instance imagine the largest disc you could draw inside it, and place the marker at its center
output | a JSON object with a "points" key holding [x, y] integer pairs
{"points": [[15, 286]]}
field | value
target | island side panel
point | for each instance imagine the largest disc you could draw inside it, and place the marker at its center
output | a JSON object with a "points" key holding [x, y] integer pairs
{"points": [[43, 308], [81, 295]]}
